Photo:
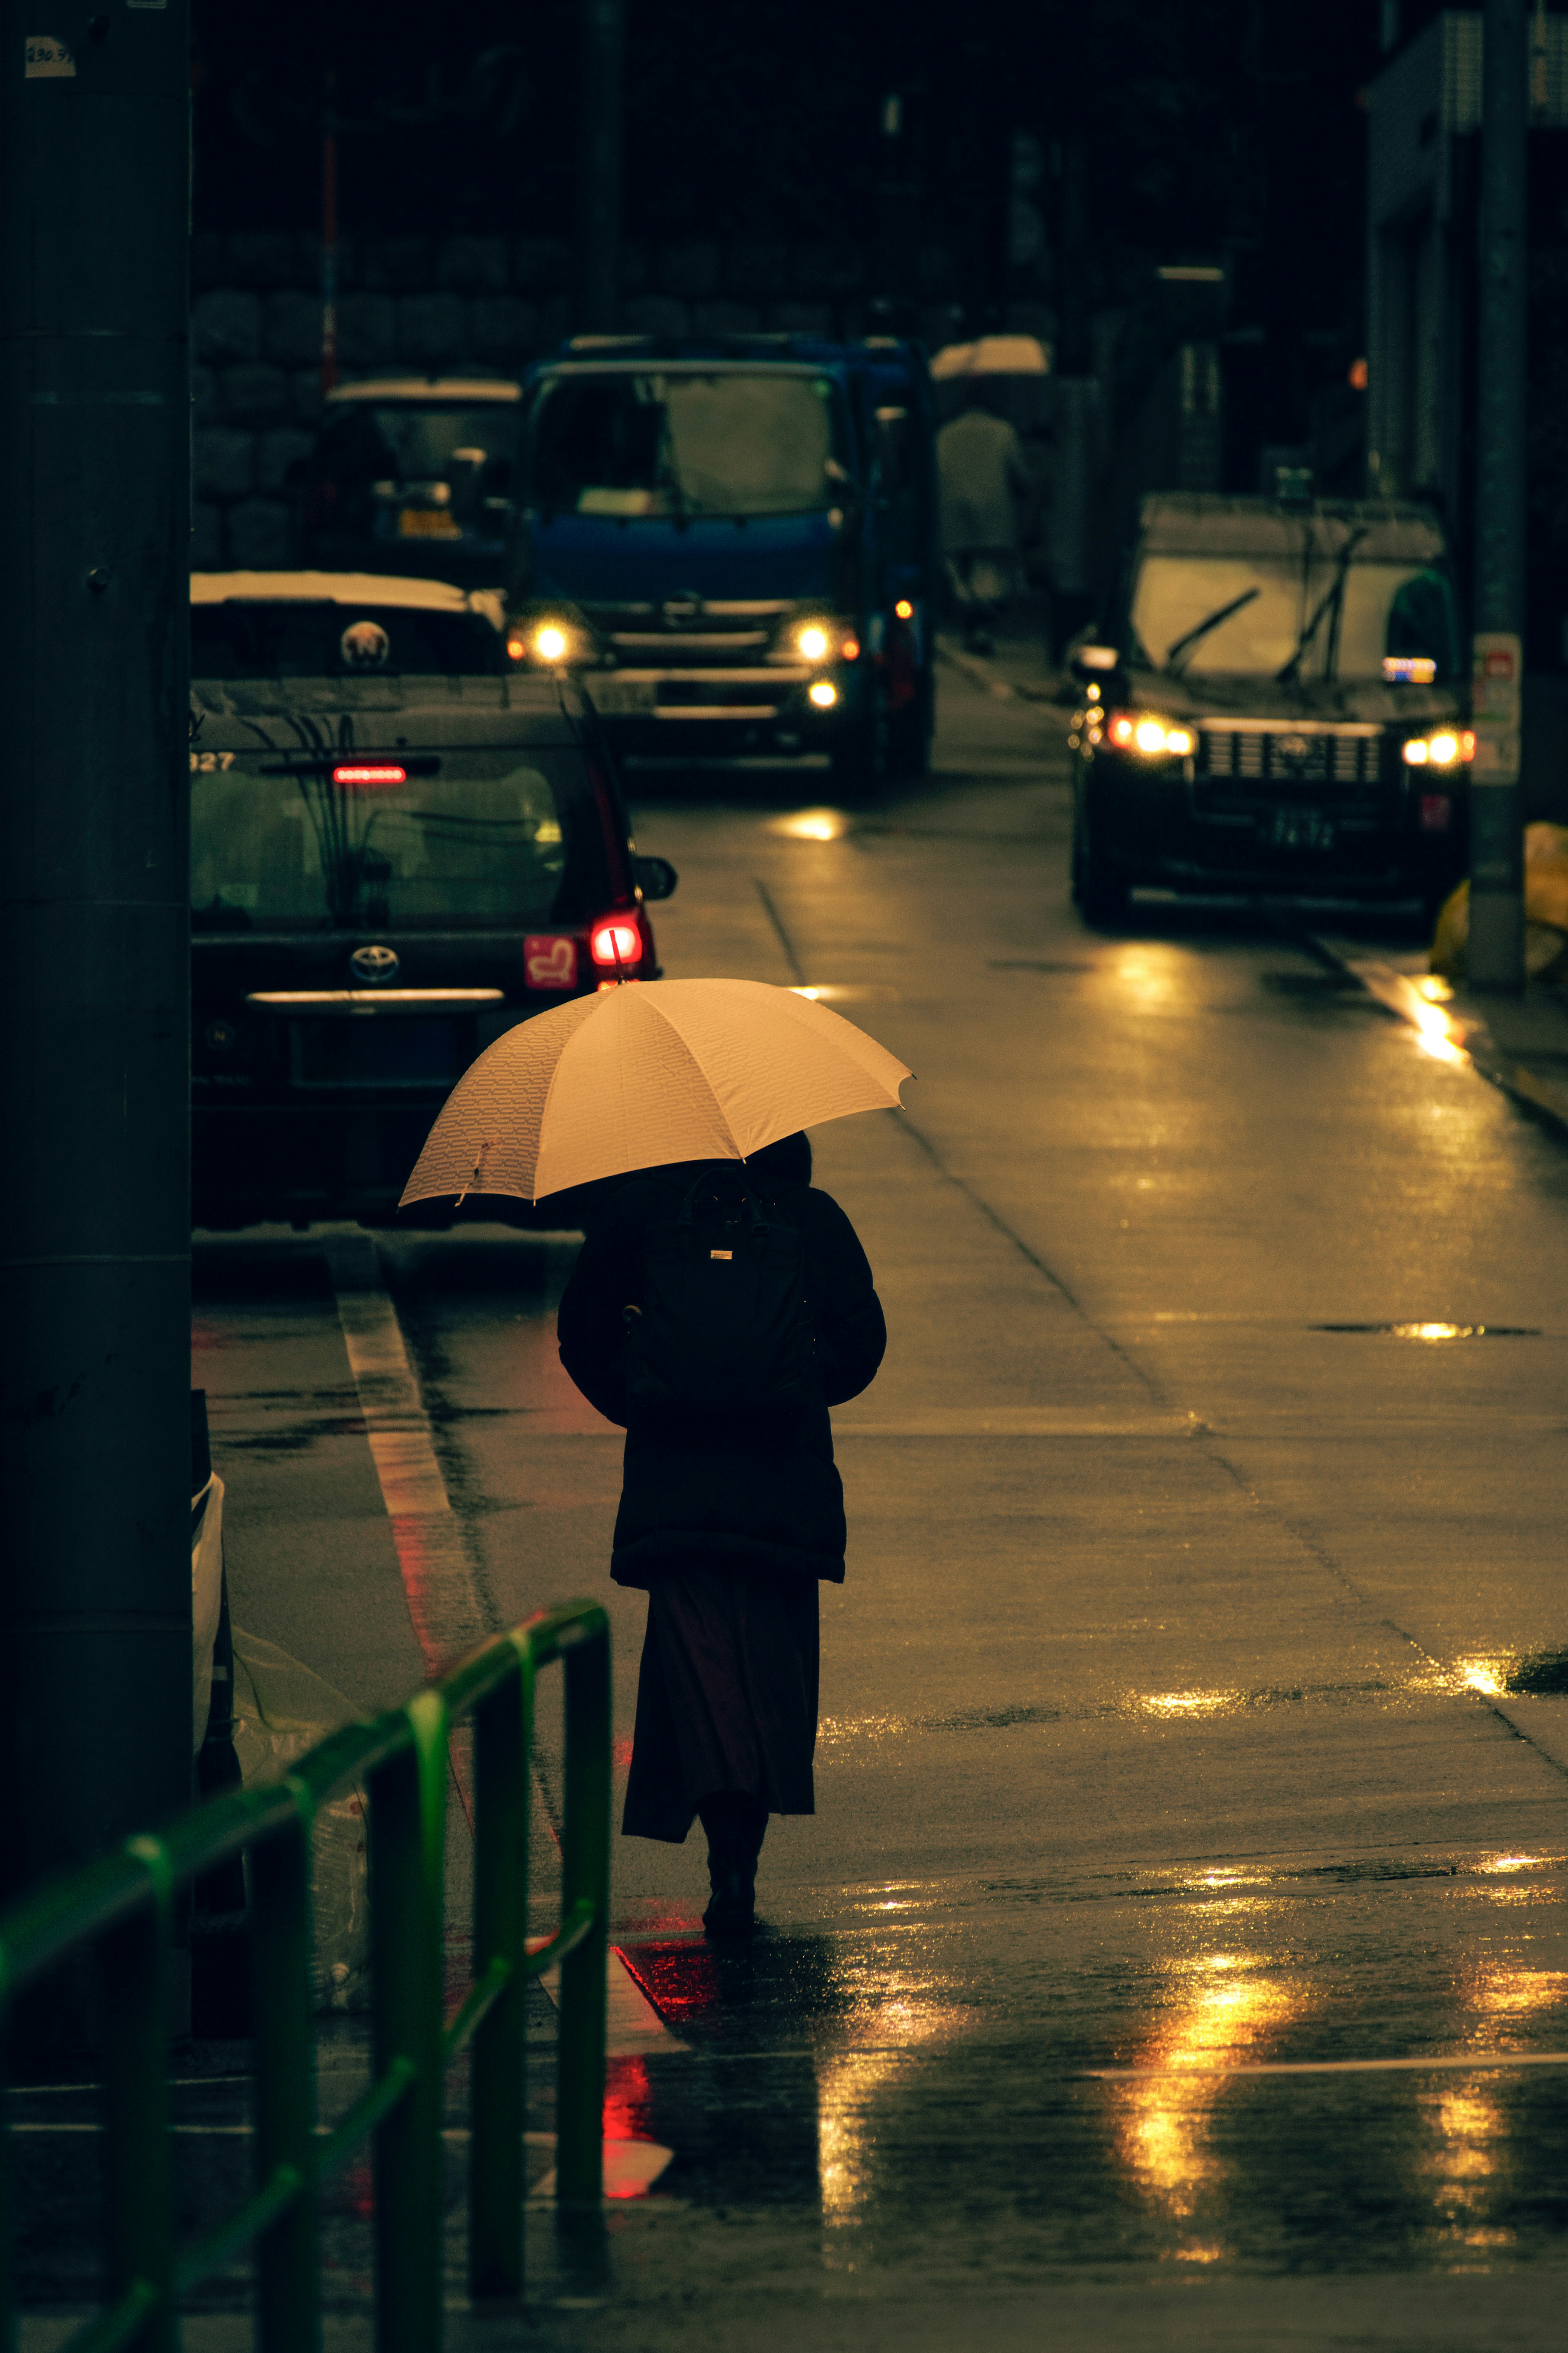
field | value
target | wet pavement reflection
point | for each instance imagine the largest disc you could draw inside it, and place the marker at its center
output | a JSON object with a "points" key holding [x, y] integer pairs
{"points": [[1263, 2066]]}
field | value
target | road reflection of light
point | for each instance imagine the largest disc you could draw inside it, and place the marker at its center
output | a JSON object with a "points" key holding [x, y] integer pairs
{"points": [[813, 825], [1435, 991], [1187, 1703], [1509, 1863], [1468, 2121], [1503, 1990], [848, 2082], [1469, 2132], [1149, 976], [1437, 1035], [1486, 1675], [1162, 2122]]}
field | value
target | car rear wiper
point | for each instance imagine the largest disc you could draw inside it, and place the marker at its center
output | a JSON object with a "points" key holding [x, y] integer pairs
{"points": [[1210, 621], [1332, 601]]}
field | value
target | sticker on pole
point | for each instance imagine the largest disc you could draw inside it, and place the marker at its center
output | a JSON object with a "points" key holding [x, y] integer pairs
{"points": [[49, 59], [1496, 694]]}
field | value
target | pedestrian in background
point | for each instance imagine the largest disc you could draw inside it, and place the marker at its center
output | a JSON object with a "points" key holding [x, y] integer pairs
{"points": [[730, 1513], [984, 489]]}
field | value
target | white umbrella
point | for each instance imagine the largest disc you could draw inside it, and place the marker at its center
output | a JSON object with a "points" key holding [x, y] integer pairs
{"points": [[992, 356], [640, 1075]]}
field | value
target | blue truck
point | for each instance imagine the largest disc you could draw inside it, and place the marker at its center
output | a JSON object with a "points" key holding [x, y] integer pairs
{"points": [[732, 545]]}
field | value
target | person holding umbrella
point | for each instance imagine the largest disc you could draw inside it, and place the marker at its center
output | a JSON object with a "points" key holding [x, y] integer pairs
{"points": [[721, 1304]]}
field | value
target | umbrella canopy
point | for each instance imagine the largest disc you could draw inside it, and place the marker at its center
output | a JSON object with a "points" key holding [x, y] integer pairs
{"points": [[992, 356], [637, 1076]]}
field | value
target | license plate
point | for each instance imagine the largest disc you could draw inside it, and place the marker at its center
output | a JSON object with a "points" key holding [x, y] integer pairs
{"points": [[379, 1051], [1296, 828], [426, 523]]}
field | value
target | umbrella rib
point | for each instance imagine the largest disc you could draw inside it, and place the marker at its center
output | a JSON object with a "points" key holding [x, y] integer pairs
{"points": [[680, 1038]]}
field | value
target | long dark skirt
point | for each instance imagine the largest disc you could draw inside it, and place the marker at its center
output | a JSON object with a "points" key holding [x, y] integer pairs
{"points": [[726, 1696]]}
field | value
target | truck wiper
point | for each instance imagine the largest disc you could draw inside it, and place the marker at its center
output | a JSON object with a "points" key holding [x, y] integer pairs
{"points": [[1210, 621], [1332, 601]]}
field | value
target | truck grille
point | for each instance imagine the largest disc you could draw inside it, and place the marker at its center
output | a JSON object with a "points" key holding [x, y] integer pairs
{"points": [[682, 635], [1242, 769]]}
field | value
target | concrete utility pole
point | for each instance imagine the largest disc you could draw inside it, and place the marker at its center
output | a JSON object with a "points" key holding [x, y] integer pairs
{"points": [[598, 286], [95, 1602], [1496, 957]]}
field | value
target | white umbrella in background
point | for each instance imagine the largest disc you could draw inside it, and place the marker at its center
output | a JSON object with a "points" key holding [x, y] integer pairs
{"points": [[992, 356]]}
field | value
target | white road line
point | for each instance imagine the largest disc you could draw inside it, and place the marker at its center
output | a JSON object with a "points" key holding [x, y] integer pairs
{"points": [[443, 1601], [1020, 1421], [1460, 2062]]}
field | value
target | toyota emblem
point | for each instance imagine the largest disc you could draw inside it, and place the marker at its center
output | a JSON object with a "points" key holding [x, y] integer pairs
{"points": [[374, 964]]}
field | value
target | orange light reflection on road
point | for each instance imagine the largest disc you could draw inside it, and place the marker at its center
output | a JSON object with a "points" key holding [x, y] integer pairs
{"points": [[813, 825], [1437, 1035], [1162, 2122]]}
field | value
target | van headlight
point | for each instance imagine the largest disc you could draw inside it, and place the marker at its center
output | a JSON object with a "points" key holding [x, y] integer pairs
{"points": [[1444, 747], [1148, 735]]}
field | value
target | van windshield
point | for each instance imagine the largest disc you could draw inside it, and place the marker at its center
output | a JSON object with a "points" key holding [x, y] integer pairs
{"points": [[735, 442], [483, 842], [369, 455], [1389, 608]]}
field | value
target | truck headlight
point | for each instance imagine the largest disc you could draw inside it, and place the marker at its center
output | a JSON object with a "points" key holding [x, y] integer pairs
{"points": [[1444, 747], [1146, 733]]}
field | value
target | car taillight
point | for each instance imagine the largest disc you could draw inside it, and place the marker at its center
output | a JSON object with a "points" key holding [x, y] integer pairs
{"points": [[615, 943], [371, 772]]}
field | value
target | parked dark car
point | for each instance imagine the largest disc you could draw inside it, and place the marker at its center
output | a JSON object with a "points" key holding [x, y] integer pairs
{"points": [[1277, 705], [400, 846]]}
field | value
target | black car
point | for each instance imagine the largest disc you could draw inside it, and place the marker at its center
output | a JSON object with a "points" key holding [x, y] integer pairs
{"points": [[1278, 706], [400, 846]]}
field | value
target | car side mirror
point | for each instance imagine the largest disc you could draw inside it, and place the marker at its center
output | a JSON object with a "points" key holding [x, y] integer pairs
{"points": [[656, 878], [1094, 662]]}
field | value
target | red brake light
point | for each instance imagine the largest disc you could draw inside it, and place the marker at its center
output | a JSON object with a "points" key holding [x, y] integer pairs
{"points": [[615, 943], [368, 772], [1120, 728]]}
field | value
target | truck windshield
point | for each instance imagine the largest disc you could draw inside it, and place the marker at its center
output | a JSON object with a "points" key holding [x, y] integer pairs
{"points": [[1389, 608], [727, 443], [482, 843]]}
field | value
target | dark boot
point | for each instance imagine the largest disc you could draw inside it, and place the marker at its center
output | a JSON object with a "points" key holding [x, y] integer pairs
{"points": [[735, 1824]]}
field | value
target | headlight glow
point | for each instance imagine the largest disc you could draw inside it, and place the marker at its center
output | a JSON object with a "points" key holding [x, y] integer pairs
{"points": [[1446, 747], [824, 694], [551, 643], [1146, 732], [812, 641]]}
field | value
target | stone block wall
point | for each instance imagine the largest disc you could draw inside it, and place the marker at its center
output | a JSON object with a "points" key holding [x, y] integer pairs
{"points": [[463, 306]]}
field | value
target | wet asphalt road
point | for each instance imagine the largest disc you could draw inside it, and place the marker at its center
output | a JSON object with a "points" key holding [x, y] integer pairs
{"points": [[1196, 1699]]}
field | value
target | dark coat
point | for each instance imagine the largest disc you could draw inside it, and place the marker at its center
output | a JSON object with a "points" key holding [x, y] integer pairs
{"points": [[755, 1493]]}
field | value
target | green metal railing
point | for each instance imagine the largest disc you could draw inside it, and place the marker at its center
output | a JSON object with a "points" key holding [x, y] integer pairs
{"points": [[125, 1908]]}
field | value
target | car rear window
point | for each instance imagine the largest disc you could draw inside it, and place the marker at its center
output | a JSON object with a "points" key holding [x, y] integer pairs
{"points": [[246, 637], [504, 837]]}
